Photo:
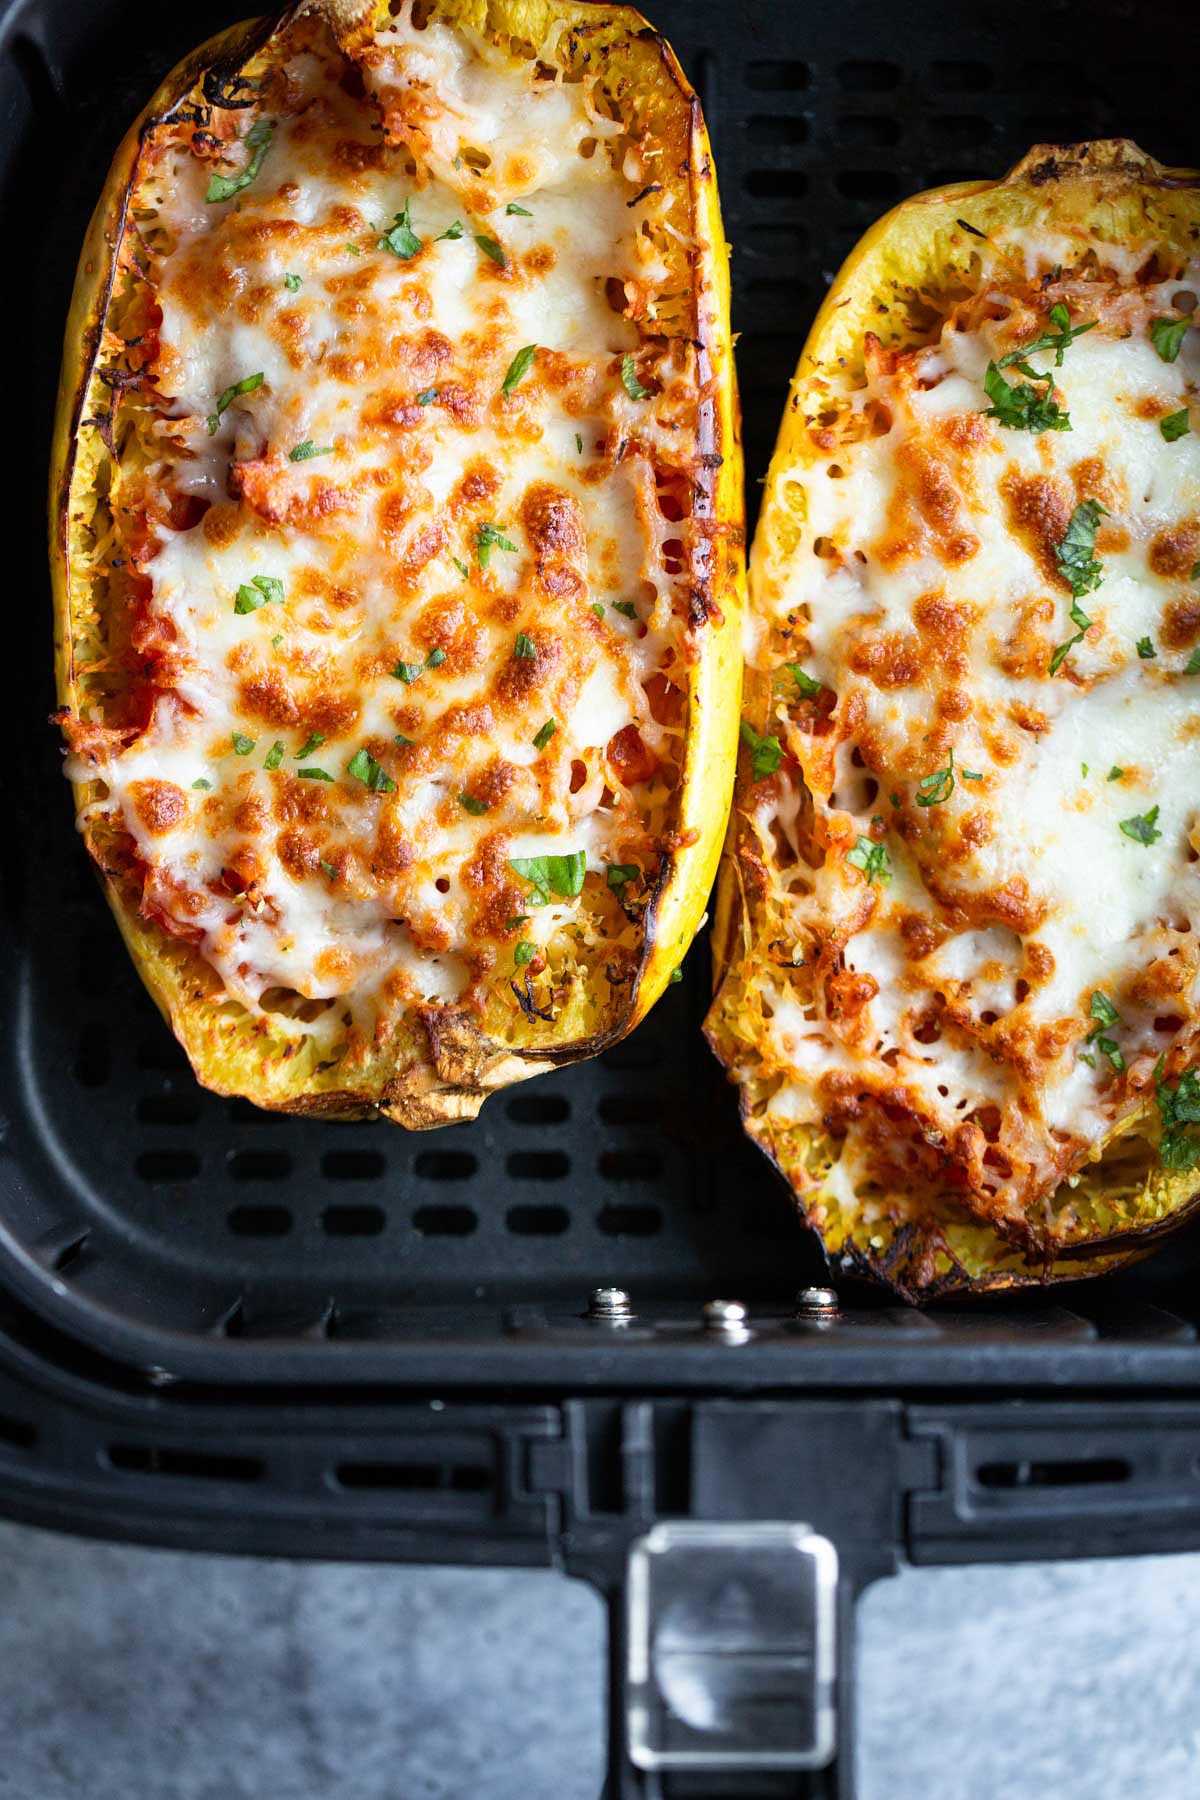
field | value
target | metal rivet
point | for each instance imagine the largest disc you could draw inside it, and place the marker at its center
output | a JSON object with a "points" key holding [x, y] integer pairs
{"points": [[609, 1303], [726, 1317], [816, 1303]]}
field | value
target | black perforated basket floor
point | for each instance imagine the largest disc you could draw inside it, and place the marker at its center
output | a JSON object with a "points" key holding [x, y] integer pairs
{"points": [[157, 1221]]}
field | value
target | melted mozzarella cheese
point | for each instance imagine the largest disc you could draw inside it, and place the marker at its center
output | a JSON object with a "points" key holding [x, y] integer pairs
{"points": [[451, 554], [915, 571]]}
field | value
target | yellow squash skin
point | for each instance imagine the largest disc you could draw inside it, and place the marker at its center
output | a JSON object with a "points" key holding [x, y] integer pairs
{"points": [[440, 1063], [1123, 1201]]}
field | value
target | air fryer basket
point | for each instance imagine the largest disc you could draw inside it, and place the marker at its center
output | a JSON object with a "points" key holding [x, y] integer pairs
{"points": [[235, 1329]]}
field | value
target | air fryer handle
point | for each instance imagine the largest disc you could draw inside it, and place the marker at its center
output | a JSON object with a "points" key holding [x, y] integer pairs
{"points": [[783, 1701]]}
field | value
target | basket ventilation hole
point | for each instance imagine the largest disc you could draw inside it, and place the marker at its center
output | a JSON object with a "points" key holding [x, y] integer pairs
{"points": [[260, 1221], [445, 1165], [445, 1221], [771, 132], [194, 1465], [538, 1165], [353, 1165], [1091, 1472], [538, 1109], [353, 1221], [962, 77], [868, 77], [260, 1165], [630, 1221], [537, 1221], [168, 1109], [777, 77], [630, 1165], [157, 1166]]}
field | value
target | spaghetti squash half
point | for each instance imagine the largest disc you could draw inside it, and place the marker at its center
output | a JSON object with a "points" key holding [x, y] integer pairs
{"points": [[959, 922], [396, 543]]}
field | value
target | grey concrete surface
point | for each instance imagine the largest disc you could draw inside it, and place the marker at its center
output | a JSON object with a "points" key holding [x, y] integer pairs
{"points": [[146, 1675]]}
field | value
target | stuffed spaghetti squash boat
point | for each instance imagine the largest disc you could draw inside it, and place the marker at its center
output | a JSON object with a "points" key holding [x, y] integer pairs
{"points": [[396, 543], [958, 932]]}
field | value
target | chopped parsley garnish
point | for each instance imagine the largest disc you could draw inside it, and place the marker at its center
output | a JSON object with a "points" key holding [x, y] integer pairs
{"points": [[517, 212], [1076, 555], [363, 767], [224, 187], [202, 784], [525, 647], [561, 875], [329, 869], [543, 736], [1179, 1107], [427, 396], [1115, 774], [518, 368], [598, 608], [629, 380], [242, 746], [579, 443], [354, 249], [620, 875], [1142, 828], [523, 952], [491, 248], [1176, 425], [470, 804], [312, 775], [274, 755], [809, 687], [1106, 1016], [626, 608], [1195, 574], [452, 232], [675, 976], [246, 385], [277, 640], [766, 753], [307, 450], [1029, 405], [933, 789], [257, 592], [1145, 649], [315, 741], [462, 568], [872, 859], [409, 672], [516, 922], [400, 238], [405, 743], [1167, 336], [1193, 662], [292, 283], [488, 538]]}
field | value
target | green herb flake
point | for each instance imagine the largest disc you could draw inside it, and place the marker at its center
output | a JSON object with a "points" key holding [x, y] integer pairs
{"points": [[329, 869], [517, 212], [427, 396], [1143, 827], [579, 443], [1115, 774], [315, 741], [626, 608], [598, 608], [766, 753], [629, 380], [518, 368], [274, 755], [293, 283], [202, 785], [277, 640], [354, 249], [242, 746], [312, 775], [487, 539], [561, 875], [400, 238], [1167, 336], [1022, 407], [246, 385], [258, 591], [1076, 555], [1145, 649], [1179, 1107], [543, 736], [451, 234], [462, 568], [516, 922], [933, 789], [1103, 1010], [307, 450], [405, 743], [408, 672], [620, 875], [809, 687], [224, 187], [872, 859], [491, 248], [470, 804], [523, 952], [363, 767], [675, 976], [1192, 667], [1176, 425], [525, 648]]}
